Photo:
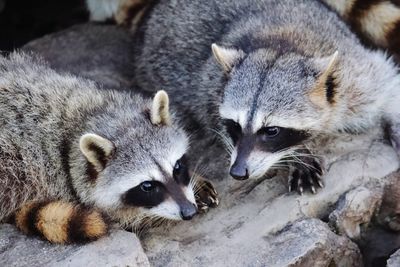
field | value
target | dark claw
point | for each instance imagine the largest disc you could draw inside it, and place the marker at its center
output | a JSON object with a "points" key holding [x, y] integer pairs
{"points": [[305, 176], [206, 196]]}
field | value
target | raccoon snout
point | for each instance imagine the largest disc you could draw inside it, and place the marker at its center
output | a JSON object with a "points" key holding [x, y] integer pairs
{"points": [[239, 171], [188, 211]]}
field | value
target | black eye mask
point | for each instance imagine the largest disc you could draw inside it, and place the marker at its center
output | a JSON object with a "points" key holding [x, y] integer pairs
{"points": [[181, 171], [148, 194], [273, 139]]}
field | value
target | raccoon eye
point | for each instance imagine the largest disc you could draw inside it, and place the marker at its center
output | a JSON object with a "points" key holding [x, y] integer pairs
{"points": [[234, 129], [271, 131], [147, 186], [177, 167], [181, 172]]}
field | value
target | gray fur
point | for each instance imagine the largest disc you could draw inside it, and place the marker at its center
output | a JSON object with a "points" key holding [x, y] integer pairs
{"points": [[288, 44], [43, 116]]}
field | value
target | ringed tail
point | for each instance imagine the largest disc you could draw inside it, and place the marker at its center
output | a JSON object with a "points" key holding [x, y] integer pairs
{"points": [[61, 222], [378, 21]]}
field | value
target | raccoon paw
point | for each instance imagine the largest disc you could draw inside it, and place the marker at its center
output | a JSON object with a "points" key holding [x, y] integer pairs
{"points": [[206, 196], [305, 173]]}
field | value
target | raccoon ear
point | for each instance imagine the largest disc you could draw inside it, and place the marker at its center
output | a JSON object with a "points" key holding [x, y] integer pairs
{"points": [[227, 57], [159, 114], [96, 149], [324, 92]]}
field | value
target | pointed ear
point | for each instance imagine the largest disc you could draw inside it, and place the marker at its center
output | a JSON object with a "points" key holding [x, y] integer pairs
{"points": [[159, 113], [96, 149], [324, 92], [227, 57]]}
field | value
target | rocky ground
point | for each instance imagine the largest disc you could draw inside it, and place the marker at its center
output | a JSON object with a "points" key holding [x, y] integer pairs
{"points": [[351, 222]]}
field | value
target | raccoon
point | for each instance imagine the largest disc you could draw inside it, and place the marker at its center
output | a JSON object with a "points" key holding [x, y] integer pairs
{"points": [[275, 74], [376, 21], [76, 159]]}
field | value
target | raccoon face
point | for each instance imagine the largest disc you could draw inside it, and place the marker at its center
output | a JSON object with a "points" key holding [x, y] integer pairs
{"points": [[272, 103], [143, 170]]}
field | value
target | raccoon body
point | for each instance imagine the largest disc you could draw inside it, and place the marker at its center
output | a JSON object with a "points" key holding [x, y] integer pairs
{"points": [[376, 21], [274, 74], [75, 159]]}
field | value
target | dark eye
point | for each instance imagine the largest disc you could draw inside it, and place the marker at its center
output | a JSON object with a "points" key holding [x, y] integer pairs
{"points": [[177, 167], [147, 186], [181, 171], [234, 130], [271, 131]]}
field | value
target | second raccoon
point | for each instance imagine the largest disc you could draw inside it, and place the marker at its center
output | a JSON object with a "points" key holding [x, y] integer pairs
{"points": [[280, 73]]}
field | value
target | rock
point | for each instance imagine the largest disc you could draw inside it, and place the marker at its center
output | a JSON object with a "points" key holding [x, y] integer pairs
{"points": [[305, 243], [354, 209], [121, 248], [394, 260], [389, 215], [93, 51]]}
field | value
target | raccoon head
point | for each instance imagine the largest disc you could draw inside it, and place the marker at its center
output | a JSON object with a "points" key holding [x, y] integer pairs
{"points": [[140, 167], [272, 103]]}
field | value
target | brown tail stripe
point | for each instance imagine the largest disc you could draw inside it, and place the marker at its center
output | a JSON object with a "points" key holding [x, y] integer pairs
{"points": [[393, 38], [61, 222], [86, 225], [375, 19]]}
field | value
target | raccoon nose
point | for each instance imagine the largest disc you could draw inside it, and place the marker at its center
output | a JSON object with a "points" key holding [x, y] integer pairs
{"points": [[239, 171], [188, 212]]}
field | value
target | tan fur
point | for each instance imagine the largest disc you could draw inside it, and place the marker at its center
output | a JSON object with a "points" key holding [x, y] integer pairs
{"points": [[85, 143], [379, 21], [318, 94], [226, 57], [94, 225], [343, 7], [21, 220], [53, 220], [124, 12], [160, 109]]}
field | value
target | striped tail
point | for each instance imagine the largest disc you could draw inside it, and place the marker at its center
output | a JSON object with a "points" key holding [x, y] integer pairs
{"points": [[61, 222], [377, 21]]}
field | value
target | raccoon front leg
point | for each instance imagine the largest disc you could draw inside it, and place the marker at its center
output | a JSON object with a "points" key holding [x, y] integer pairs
{"points": [[61, 222], [305, 171], [205, 194]]}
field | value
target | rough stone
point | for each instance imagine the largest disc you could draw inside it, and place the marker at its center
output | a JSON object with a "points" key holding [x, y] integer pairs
{"points": [[121, 248], [355, 208], [394, 260]]}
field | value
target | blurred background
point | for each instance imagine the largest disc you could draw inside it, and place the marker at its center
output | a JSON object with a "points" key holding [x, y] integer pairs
{"points": [[25, 20]]}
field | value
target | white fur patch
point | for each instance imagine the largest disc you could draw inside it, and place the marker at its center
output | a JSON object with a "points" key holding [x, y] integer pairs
{"points": [[168, 209], [260, 162], [239, 116], [188, 191], [101, 10]]}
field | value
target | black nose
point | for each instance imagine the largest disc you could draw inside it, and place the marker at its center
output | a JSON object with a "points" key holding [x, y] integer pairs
{"points": [[239, 171], [188, 212]]}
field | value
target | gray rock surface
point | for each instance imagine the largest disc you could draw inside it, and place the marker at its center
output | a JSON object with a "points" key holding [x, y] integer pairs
{"points": [[121, 248], [355, 208], [394, 260], [95, 51]]}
